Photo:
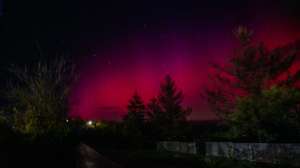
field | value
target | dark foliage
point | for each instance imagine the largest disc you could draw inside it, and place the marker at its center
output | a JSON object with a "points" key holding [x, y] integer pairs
{"points": [[38, 98], [249, 74], [136, 112], [166, 113]]}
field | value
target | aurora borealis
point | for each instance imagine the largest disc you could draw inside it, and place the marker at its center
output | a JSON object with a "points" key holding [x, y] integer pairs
{"points": [[183, 49], [123, 47]]}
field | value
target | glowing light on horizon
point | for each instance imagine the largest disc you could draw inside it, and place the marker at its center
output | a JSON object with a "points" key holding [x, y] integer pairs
{"points": [[89, 123]]}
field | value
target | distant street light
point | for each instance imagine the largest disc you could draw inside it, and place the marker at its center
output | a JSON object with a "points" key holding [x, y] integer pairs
{"points": [[90, 123]]}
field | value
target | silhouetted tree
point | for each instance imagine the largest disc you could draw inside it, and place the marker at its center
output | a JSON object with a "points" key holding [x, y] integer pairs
{"points": [[154, 112], [170, 100], [156, 119], [136, 111], [134, 121], [167, 112]]}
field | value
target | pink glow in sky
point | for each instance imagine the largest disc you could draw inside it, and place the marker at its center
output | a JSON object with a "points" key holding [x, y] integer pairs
{"points": [[139, 63]]}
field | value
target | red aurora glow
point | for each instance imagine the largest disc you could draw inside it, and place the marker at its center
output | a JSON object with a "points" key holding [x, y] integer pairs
{"points": [[139, 63]]}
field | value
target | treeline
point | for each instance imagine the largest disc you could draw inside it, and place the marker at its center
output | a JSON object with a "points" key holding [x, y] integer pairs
{"points": [[37, 106], [164, 116], [255, 94]]}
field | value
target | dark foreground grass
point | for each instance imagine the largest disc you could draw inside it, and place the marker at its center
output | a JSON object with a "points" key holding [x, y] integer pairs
{"points": [[66, 156], [38, 156], [154, 159]]}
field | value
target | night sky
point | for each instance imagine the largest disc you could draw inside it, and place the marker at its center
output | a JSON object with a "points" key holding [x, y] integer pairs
{"points": [[1, 9], [123, 47]]}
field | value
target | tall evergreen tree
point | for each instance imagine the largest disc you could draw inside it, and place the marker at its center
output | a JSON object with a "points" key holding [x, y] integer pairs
{"points": [[154, 112], [170, 99], [136, 112], [156, 118], [134, 121], [166, 112]]}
